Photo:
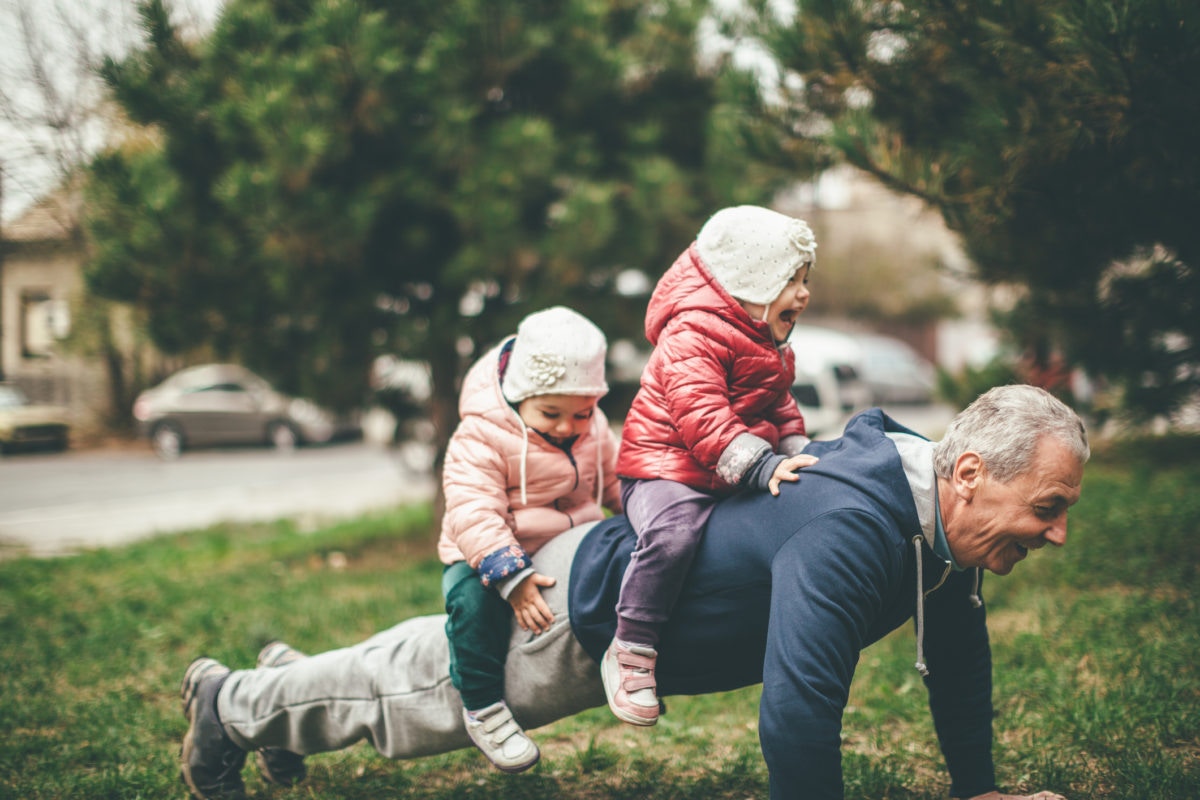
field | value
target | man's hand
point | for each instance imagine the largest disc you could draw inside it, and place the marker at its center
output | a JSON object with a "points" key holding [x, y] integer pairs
{"points": [[529, 607], [998, 796], [786, 471]]}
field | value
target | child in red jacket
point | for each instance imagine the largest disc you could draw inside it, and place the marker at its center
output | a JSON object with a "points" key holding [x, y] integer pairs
{"points": [[714, 415]]}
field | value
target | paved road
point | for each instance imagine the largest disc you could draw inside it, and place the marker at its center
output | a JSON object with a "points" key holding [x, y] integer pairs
{"points": [[56, 503]]}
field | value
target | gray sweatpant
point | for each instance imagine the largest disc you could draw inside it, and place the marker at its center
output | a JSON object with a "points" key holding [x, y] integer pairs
{"points": [[394, 689]]}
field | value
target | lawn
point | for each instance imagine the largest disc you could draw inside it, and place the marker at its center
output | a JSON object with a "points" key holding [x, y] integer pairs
{"points": [[1096, 650]]}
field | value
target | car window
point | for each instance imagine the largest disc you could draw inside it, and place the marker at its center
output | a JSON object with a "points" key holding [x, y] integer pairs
{"points": [[219, 387], [845, 372], [11, 397], [806, 394]]}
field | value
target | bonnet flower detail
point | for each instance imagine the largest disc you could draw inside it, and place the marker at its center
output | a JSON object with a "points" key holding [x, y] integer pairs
{"points": [[802, 239], [546, 369]]}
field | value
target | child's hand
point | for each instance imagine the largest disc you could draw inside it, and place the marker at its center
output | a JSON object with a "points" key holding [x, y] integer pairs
{"points": [[529, 606], [786, 471]]}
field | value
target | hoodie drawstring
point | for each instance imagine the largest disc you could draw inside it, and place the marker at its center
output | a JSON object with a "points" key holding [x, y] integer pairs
{"points": [[976, 601], [920, 665]]}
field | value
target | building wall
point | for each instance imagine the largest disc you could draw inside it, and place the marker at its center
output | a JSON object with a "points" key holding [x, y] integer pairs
{"points": [[37, 286], [40, 279], [892, 244]]}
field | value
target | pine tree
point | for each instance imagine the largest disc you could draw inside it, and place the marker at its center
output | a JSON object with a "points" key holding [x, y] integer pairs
{"points": [[1054, 135]]}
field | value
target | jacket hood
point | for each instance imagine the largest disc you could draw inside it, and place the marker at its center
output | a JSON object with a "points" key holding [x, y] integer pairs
{"points": [[689, 286], [482, 396]]}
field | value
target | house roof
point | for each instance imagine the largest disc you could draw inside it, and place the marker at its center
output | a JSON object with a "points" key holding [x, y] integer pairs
{"points": [[51, 219]]}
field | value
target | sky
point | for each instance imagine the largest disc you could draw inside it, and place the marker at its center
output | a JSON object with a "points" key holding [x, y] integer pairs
{"points": [[67, 32], [72, 32]]}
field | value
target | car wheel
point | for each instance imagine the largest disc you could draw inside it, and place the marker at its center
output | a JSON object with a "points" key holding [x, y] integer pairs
{"points": [[283, 437], [167, 440]]}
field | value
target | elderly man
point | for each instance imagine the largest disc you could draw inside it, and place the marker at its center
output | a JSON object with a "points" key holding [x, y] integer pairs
{"points": [[786, 590]]}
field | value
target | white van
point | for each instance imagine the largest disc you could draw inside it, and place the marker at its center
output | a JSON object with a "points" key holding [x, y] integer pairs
{"points": [[828, 384]]}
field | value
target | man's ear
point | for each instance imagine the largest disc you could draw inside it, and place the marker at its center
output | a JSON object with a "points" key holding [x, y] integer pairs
{"points": [[967, 474]]}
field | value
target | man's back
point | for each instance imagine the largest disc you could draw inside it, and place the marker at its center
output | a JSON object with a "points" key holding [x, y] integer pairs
{"points": [[717, 635], [788, 590]]}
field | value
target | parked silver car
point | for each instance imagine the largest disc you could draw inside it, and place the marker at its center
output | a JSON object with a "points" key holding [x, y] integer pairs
{"points": [[24, 424], [225, 404], [828, 386], [895, 373]]}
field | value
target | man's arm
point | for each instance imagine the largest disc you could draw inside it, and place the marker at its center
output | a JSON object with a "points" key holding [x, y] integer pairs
{"points": [[828, 585], [960, 684]]}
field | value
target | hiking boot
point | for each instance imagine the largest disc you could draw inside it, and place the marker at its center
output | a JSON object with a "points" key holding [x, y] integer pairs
{"points": [[278, 654], [629, 684], [211, 764], [500, 738], [278, 766]]}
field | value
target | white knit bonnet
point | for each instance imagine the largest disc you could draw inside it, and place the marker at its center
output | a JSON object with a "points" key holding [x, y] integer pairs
{"points": [[753, 252], [557, 351]]}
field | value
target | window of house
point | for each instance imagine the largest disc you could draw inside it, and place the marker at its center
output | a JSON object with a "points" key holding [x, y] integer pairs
{"points": [[43, 321]]}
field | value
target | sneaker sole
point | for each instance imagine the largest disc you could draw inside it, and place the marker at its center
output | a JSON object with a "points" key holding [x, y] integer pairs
{"points": [[610, 693], [483, 740], [519, 767]]}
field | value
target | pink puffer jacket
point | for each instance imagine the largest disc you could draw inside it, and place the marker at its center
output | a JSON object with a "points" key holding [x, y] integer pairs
{"points": [[505, 484], [715, 375]]}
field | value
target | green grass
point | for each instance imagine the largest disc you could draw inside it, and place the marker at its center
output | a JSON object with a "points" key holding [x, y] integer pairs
{"points": [[1096, 649]]}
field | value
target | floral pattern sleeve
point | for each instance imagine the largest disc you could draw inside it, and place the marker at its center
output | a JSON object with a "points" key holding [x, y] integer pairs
{"points": [[499, 565]]}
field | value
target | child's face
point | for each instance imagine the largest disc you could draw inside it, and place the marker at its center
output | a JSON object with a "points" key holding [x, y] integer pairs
{"points": [[786, 308], [558, 416]]}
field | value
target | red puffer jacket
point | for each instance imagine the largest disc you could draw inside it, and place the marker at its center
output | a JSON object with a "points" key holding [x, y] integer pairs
{"points": [[715, 374]]}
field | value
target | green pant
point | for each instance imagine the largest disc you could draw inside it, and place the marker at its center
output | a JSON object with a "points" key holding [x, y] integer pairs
{"points": [[479, 628]]}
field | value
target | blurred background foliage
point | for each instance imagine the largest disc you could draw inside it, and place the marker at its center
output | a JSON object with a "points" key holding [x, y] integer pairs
{"points": [[332, 180], [1054, 137], [313, 183]]}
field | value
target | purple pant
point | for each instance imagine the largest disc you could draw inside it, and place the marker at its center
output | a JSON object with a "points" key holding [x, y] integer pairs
{"points": [[669, 519]]}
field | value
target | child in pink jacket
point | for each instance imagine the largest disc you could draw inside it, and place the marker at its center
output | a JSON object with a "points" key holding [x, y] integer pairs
{"points": [[532, 456]]}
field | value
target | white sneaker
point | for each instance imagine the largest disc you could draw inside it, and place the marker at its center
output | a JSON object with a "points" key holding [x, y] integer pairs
{"points": [[500, 738], [629, 682]]}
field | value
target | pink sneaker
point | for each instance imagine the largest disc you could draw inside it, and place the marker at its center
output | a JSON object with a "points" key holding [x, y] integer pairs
{"points": [[628, 675]]}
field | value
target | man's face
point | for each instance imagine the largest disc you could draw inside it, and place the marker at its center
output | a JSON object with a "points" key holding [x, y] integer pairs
{"points": [[996, 524]]}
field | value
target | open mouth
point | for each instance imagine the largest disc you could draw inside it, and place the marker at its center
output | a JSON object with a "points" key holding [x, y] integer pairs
{"points": [[788, 317], [1023, 550]]}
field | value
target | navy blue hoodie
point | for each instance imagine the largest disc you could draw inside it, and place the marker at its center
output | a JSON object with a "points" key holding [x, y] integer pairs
{"points": [[788, 590]]}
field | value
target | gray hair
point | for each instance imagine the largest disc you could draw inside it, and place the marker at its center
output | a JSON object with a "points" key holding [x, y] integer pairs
{"points": [[1004, 426]]}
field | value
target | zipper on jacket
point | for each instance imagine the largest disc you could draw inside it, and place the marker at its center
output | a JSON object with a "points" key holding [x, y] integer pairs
{"points": [[941, 580]]}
